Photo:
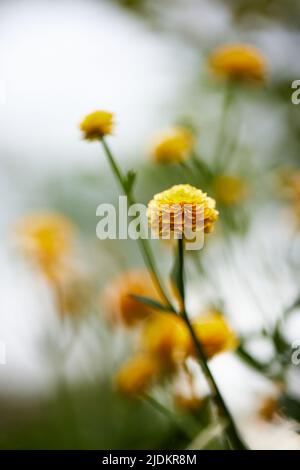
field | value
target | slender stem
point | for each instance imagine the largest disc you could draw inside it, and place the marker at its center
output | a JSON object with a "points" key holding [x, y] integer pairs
{"points": [[223, 411], [143, 243], [166, 412], [251, 361], [228, 96]]}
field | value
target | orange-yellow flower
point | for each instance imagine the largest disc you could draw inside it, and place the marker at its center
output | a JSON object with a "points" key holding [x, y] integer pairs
{"points": [[229, 189], [173, 145], [180, 208], [138, 374], [240, 62], [187, 402], [97, 124], [214, 334], [45, 238], [166, 336], [120, 304]]}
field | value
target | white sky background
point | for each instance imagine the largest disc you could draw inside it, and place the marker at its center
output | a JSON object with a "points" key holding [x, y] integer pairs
{"points": [[58, 61]]}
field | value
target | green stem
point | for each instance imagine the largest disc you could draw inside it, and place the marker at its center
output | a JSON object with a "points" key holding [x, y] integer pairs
{"points": [[143, 243], [171, 417], [228, 96], [251, 361], [233, 434]]}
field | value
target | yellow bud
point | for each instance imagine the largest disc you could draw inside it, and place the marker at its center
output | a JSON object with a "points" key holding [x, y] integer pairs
{"points": [[97, 124]]}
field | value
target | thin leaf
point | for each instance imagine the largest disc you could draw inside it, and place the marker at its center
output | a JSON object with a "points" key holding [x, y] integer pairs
{"points": [[130, 180], [150, 302]]}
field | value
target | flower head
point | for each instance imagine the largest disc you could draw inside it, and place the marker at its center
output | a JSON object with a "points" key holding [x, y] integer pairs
{"points": [[214, 333], [45, 238], [239, 62], [137, 375], [97, 124], [180, 208], [173, 145], [166, 336], [120, 303], [229, 189]]}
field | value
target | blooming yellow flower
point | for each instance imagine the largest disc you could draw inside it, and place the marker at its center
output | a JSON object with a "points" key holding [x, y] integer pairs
{"points": [[173, 145], [45, 238], [214, 333], [238, 62], [229, 189], [182, 207], [97, 124], [137, 375], [120, 304], [167, 337]]}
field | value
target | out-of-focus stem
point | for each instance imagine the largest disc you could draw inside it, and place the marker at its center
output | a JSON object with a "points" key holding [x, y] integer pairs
{"points": [[166, 412], [143, 243], [227, 100], [223, 412]]}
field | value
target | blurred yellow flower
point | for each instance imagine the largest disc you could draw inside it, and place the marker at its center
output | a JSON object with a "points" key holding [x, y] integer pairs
{"points": [[240, 62], [97, 124], [166, 336], [214, 333], [45, 238], [181, 205], [138, 374], [73, 292], [173, 145], [187, 402], [118, 300], [229, 189], [290, 185]]}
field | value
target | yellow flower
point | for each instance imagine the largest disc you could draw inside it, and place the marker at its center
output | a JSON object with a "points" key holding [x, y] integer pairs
{"points": [[187, 402], [180, 208], [45, 238], [167, 337], [97, 124], [240, 62], [173, 145], [73, 291], [290, 184], [120, 304], [137, 375], [214, 333], [229, 189]]}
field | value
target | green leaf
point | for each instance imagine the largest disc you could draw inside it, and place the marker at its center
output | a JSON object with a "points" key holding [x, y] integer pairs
{"points": [[290, 406], [130, 180], [151, 302]]}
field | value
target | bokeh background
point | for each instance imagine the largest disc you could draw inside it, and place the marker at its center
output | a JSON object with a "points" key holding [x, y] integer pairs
{"points": [[146, 61]]}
